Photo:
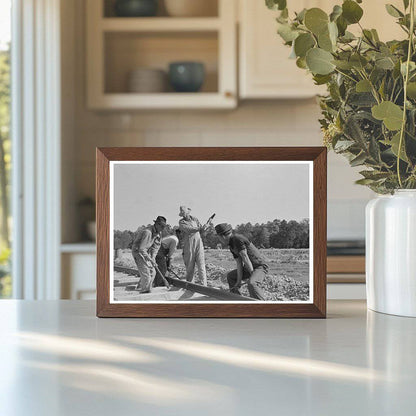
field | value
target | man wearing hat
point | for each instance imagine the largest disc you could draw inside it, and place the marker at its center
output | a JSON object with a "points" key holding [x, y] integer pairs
{"points": [[193, 247], [251, 264], [144, 249]]}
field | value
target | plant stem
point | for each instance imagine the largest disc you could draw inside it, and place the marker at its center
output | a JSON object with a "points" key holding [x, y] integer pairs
{"points": [[406, 80], [373, 90], [346, 75]]}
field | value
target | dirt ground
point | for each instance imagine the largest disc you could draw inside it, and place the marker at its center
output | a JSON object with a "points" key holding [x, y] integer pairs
{"points": [[287, 280]]}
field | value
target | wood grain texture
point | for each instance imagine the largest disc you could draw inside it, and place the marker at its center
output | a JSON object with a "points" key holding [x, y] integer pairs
{"points": [[217, 310]]}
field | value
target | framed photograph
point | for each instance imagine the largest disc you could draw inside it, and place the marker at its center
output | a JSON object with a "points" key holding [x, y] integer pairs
{"points": [[211, 232]]}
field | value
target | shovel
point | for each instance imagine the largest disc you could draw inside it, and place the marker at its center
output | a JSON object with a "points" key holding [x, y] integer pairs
{"points": [[166, 283]]}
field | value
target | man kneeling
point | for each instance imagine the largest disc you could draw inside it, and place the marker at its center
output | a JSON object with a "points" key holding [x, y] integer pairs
{"points": [[251, 264]]}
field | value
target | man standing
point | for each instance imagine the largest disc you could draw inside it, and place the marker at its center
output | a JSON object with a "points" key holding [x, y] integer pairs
{"points": [[144, 249], [251, 264], [165, 255], [193, 247]]}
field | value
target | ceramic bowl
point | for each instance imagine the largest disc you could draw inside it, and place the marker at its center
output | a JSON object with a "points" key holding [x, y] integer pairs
{"points": [[135, 8], [147, 80], [186, 76]]}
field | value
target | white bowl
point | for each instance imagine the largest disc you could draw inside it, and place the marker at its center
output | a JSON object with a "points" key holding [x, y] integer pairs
{"points": [[145, 80], [191, 8]]}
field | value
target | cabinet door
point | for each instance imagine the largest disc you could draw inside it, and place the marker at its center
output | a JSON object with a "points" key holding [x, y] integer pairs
{"points": [[265, 68]]}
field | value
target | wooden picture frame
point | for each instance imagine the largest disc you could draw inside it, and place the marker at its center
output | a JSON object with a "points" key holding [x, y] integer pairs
{"points": [[316, 308]]}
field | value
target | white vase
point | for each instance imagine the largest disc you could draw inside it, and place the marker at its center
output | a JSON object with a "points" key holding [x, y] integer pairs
{"points": [[391, 253]]}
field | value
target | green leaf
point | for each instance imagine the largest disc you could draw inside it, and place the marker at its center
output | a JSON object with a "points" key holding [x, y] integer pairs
{"points": [[286, 32], [374, 150], [381, 89], [390, 113], [363, 86], [354, 131], [276, 4], [364, 181], [336, 12], [303, 43], [333, 32], [343, 65], [358, 160], [301, 63], [284, 14], [411, 90], [316, 20], [374, 175], [393, 11], [343, 145], [358, 61], [325, 43], [368, 36], [394, 144], [347, 37], [300, 17], [319, 61], [412, 67], [351, 11], [361, 99], [385, 63], [321, 79], [342, 25], [375, 35]]}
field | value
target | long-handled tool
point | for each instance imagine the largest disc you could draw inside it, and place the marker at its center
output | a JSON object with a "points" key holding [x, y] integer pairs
{"points": [[171, 271], [166, 283], [210, 219]]}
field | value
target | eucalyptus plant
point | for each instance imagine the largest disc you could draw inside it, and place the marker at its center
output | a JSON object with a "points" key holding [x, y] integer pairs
{"points": [[369, 112]]}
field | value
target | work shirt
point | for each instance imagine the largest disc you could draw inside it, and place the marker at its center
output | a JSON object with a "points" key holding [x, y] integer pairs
{"points": [[169, 244], [190, 225], [239, 242], [147, 242]]}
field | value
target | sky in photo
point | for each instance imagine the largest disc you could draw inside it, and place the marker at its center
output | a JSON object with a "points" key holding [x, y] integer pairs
{"points": [[236, 193]]}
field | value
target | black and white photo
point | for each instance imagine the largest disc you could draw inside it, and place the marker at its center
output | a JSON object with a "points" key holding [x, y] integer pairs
{"points": [[211, 231]]}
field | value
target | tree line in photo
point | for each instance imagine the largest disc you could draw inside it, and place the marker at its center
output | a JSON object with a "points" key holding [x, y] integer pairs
{"points": [[273, 234]]}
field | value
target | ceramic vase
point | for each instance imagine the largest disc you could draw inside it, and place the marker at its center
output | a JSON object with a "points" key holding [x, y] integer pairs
{"points": [[391, 253]]}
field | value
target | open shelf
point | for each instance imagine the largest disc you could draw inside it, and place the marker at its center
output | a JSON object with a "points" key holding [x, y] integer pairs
{"points": [[116, 46], [80, 247], [160, 24], [127, 51], [194, 101]]}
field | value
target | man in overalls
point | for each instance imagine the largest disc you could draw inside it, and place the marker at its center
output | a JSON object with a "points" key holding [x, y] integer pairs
{"points": [[193, 247], [144, 249]]}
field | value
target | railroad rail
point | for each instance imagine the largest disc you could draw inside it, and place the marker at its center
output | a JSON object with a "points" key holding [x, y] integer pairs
{"points": [[193, 287]]}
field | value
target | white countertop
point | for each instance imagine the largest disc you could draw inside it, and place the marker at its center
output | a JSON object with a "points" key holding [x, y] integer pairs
{"points": [[56, 358]]}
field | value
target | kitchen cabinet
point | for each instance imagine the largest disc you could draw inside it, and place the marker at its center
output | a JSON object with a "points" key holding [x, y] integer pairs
{"points": [[78, 263], [116, 46], [265, 70]]}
